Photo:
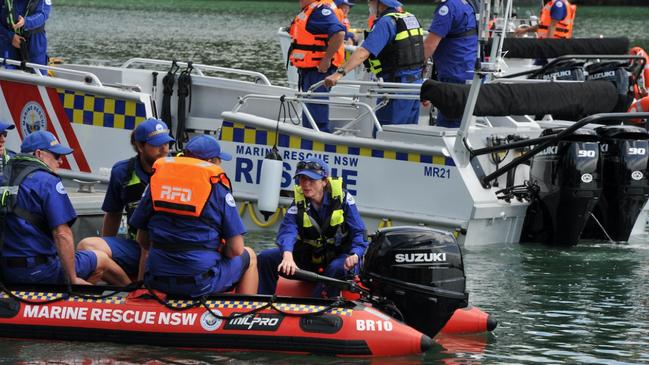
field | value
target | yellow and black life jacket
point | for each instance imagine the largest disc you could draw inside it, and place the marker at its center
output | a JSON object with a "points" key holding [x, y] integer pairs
{"points": [[132, 190]]}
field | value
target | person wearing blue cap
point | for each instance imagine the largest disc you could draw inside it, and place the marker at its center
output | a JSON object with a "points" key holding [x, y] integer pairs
{"points": [[393, 50], [452, 41], [345, 6], [5, 154], [22, 28], [128, 179], [38, 245], [322, 231], [189, 227]]}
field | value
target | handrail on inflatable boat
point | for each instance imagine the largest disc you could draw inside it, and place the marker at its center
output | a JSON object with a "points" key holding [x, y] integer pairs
{"points": [[542, 143], [302, 100], [199, 68], [88, 77], [583, 57], [379, 84]]}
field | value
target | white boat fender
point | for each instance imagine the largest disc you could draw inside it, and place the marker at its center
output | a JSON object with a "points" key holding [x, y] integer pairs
{"points": [[271, 183]]}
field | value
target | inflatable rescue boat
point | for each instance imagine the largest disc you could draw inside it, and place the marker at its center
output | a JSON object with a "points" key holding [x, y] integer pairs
{"points": [[402, 304]]}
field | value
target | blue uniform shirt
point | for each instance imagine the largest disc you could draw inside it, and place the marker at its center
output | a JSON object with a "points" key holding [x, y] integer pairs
{"points": [[40, 193], [288, 230], [558, 11], [220, 219], [323, 20], [113, 202], [454, 57], [37, 19]]}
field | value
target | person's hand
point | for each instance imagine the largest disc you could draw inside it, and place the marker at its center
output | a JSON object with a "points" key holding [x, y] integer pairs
{"points": [[17, 40], [288, 265], [522, 29], [20, 24], [351, 261], [324, 65], [331, 80], [79, 281]]}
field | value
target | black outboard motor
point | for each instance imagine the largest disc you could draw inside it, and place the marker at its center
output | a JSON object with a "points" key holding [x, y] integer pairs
{"points": [[419, 270], [569, 176], [563, 70], [616, 73], [625, 154]]}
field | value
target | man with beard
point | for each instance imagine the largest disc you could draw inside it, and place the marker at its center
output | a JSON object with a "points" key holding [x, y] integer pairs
{"points": [[128, 179]]}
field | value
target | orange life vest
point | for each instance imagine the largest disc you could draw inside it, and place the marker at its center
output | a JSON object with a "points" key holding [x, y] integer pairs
{"points": [[639, 106], [182, 185], [641, 87], [563, 27], [307, 50]]}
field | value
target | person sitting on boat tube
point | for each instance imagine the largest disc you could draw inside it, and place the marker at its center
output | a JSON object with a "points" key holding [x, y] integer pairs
{"points": [[393, 50], [5, 154], [38, 245], [185, 214], [557, 20], [128, 179], [322, 231]]}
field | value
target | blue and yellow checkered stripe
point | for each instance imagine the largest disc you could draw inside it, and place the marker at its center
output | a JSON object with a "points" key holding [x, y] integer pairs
{"points": [[238, 132], [40, 296], [240, 304], [83, 108]]}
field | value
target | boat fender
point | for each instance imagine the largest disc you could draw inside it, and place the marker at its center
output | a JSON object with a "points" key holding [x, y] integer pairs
{"points": [[271, 183]]}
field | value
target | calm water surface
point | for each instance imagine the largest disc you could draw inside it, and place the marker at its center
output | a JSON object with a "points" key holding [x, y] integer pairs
{"points": [[588, 304]]}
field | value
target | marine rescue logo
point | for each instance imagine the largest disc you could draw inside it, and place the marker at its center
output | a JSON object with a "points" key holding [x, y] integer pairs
{"points": [[255, 322], [209, 322], [32, 118]]}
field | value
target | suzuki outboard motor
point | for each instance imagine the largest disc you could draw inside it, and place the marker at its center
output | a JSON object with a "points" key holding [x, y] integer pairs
{"points": [[616, 73], [625, 154], [563, 70], [569, 180], [420, 271]]}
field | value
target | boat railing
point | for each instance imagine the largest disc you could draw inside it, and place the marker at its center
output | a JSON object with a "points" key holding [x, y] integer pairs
{"points": [[87, 77], [301, 100], [199, 68]]}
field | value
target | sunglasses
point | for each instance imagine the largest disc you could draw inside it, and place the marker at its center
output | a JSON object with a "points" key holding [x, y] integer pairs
{"points": [[309, 166], [55, 155], [4, 134]]}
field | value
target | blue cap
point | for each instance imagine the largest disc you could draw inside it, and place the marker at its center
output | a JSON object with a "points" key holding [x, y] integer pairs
{"points": [[313, 168], [4, 126], [153, 132], [344, 2], [204, 146], [391, 3], [43, 140]]}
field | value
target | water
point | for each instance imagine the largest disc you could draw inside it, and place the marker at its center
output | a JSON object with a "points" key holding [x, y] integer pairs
{"points": [[587, 304]]}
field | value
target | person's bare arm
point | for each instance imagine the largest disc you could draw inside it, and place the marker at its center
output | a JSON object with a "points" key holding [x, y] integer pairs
{"points": [[233, 247], [112, 220], [430, 44], [335, 42], [64, 242]]}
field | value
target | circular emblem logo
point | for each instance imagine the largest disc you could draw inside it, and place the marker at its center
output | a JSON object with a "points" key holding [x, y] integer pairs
{"points": [[60, 188], [159, 127], [559, 4], [326, 12], [209, 322], [443, 10], [587, 178], [32, 118], [637, 175], [229, 199]]}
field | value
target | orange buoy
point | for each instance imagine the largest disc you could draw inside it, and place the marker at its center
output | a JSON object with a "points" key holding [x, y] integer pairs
{"points": [[469, 320], [642, 88], [639, 106]]}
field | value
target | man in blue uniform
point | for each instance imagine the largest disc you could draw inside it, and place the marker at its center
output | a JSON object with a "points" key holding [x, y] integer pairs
{"points": [[322, 231], [316, 51], [452, 41], [394, 50], [189, 227], [23, 21], [5, 154], [128, 179], [38, 246]]}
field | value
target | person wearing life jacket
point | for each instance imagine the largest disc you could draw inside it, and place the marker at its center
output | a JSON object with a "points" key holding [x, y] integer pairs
{"points": [[343, 7], [393, 50], [316, 51], [23, 30], [322, 231], [37, 244], [452, 41], [185, 215], [5, 154], [556, 21], [128, 179]]}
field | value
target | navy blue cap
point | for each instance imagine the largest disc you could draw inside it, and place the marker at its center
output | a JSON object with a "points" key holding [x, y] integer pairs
{"points": [[4, 126], [391, 3], [313, 168], [154, 132], [205, 147], [43, 140], [344, 2]]}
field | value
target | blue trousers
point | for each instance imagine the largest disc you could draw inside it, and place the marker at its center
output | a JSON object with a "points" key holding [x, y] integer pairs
{"points": [[319, 112], [269, 260], [400, 111]]}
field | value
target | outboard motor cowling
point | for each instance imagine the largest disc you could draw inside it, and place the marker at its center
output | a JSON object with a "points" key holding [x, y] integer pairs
{"points": [[419, 270], [564, 70], [569, 179], [616, 73], [625, 155]]}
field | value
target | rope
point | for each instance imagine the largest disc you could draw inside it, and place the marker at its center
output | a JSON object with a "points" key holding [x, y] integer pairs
{"points": [[255, 220]]}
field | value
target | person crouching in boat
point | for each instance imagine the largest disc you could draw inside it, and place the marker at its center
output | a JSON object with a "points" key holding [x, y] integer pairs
{"points": [[185, 214], [322, 231], [128, 179], [38, 245], [5, 154]]}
